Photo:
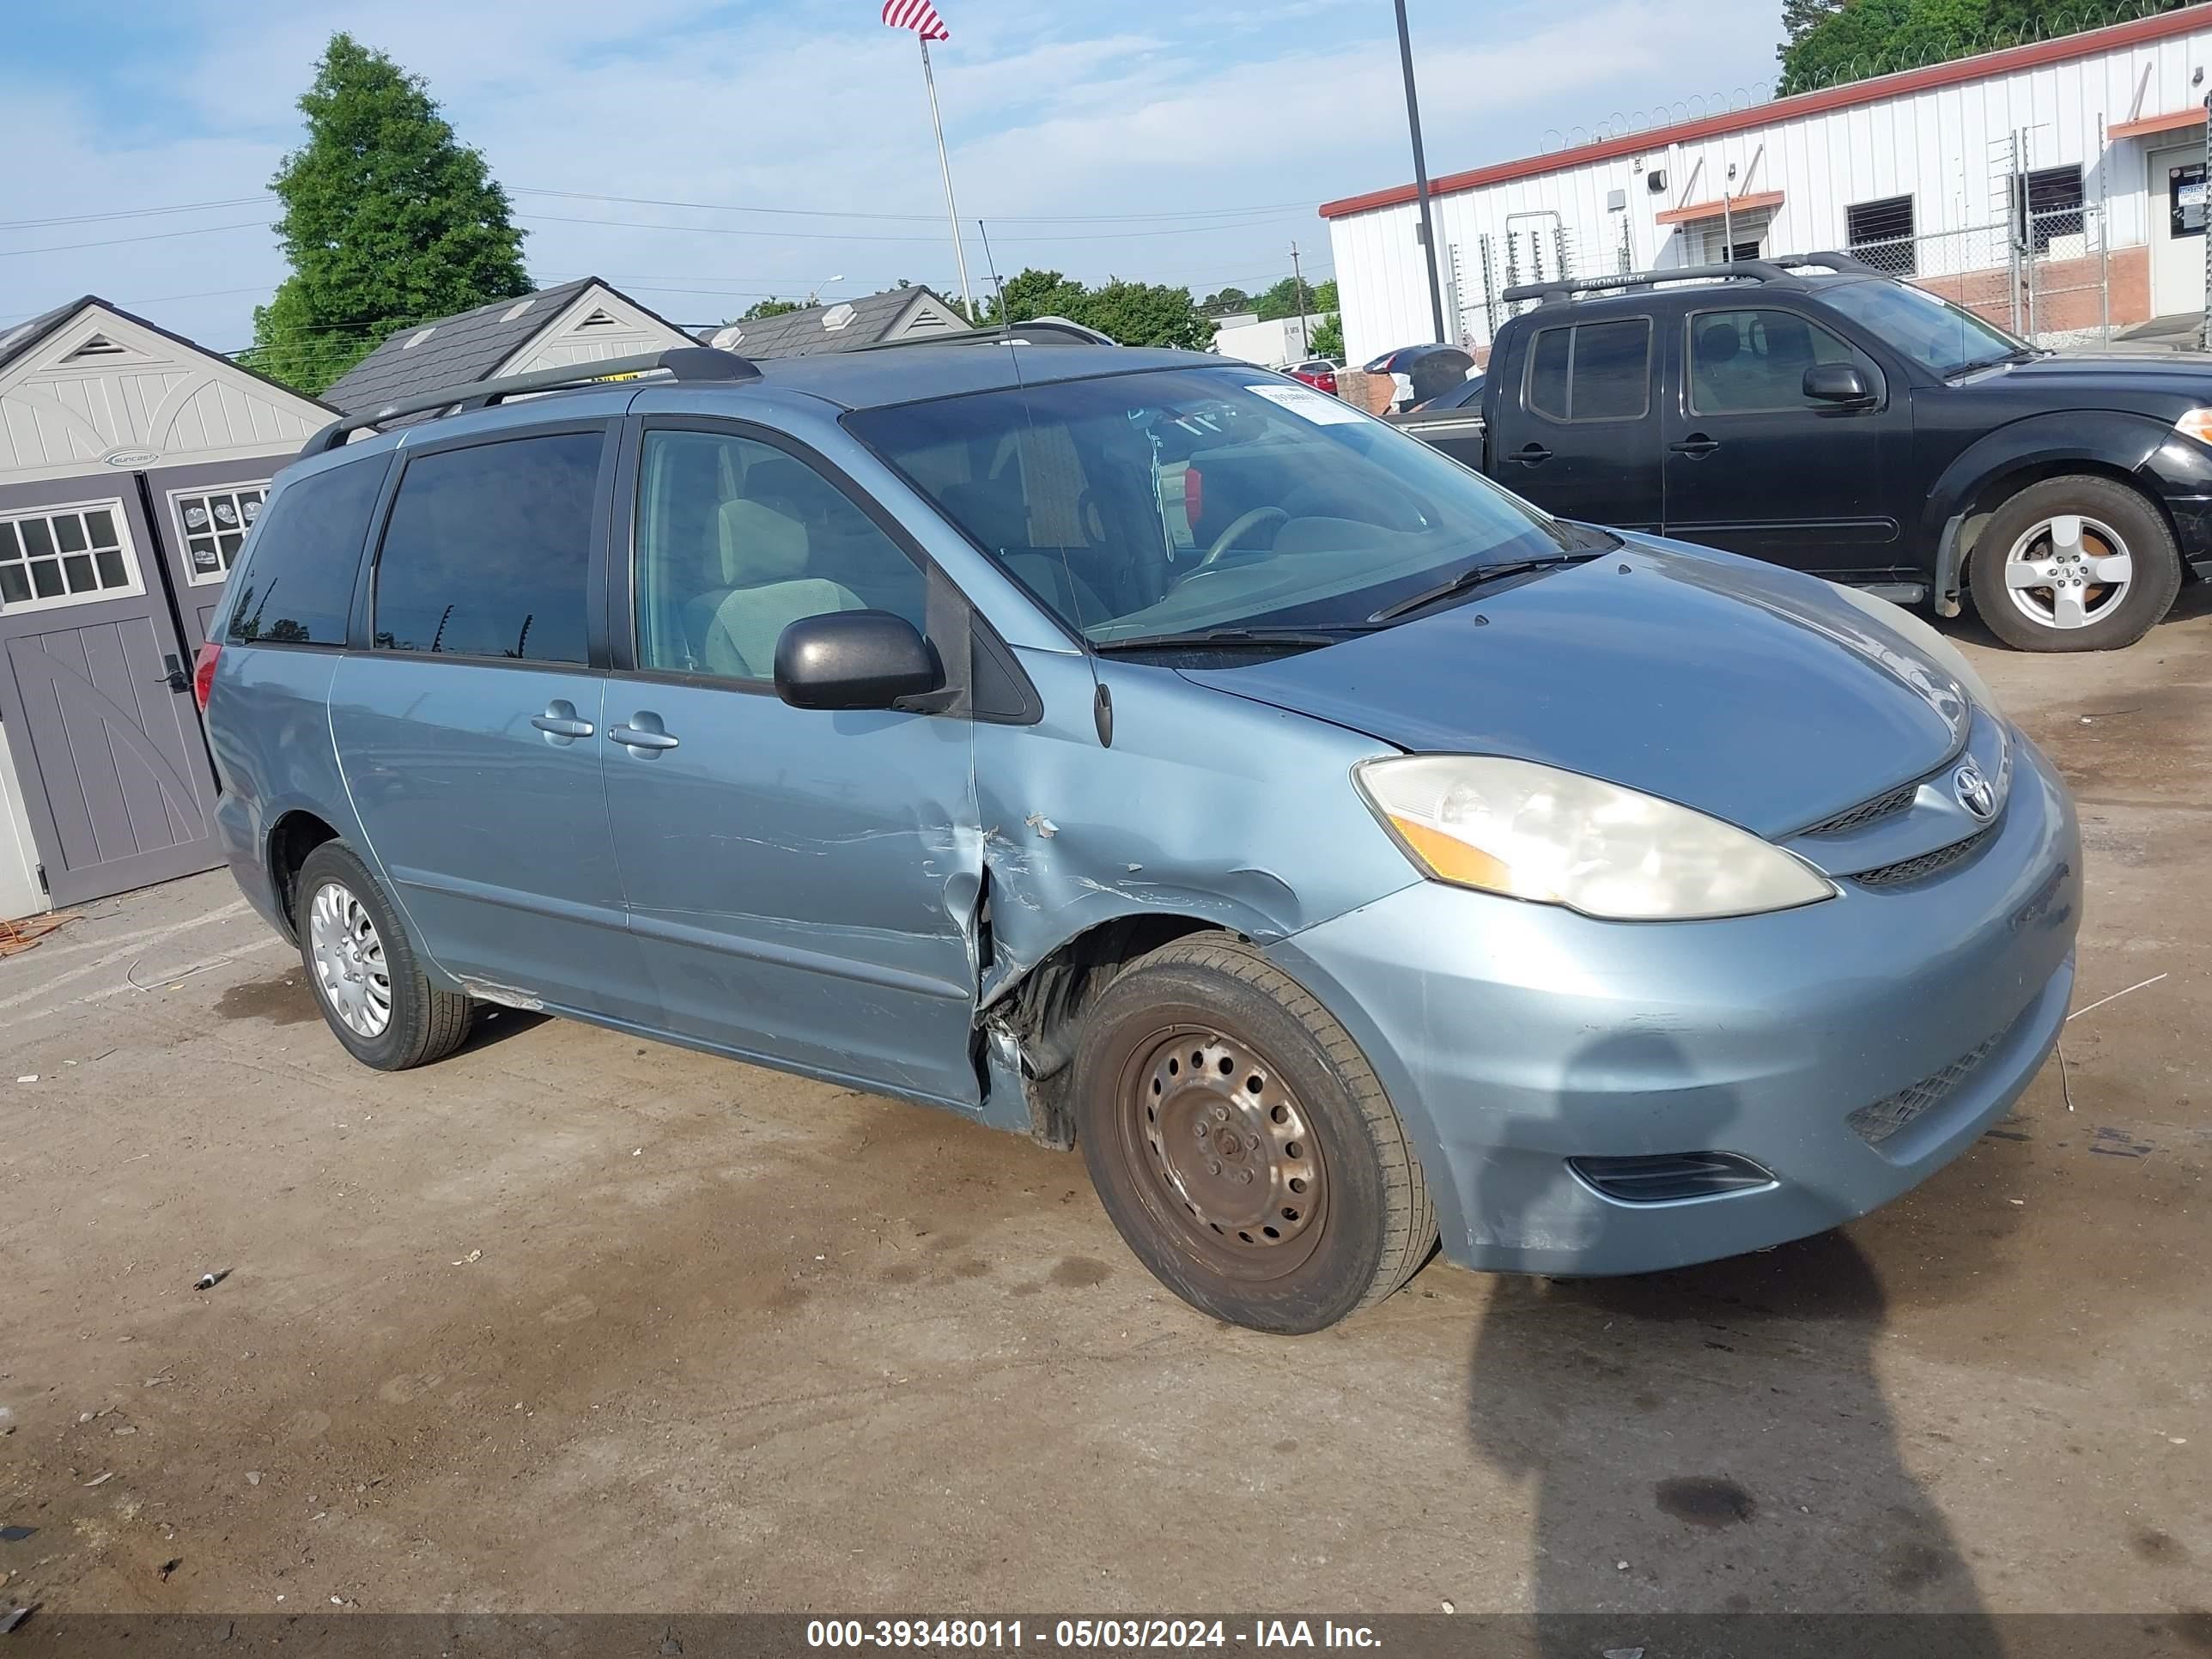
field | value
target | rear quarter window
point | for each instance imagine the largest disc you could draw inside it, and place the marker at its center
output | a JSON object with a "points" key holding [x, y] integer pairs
{"points": [[298, 584]]}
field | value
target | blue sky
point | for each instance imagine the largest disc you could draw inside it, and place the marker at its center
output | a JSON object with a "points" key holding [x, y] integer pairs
{"points": [[1184, 143]]}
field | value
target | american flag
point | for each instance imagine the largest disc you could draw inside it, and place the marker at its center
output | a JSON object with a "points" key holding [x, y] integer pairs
{"points": [[916, 14]]}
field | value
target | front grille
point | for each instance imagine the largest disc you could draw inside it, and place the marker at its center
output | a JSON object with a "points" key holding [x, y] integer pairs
{"points": [[1926, 864], [1668, 1177], [1866, 812], [1876, 1122]]}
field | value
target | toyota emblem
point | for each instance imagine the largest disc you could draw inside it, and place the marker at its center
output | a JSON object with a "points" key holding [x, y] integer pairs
{"points": [[1974, 792]]}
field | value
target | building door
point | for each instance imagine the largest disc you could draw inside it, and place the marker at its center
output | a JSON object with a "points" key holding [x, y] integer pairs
{"points": [[2176, 230], [95, 688], [202, 514]]}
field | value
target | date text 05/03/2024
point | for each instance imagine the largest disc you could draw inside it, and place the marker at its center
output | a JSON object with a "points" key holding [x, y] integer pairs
{"points": [[1085, 1633]]}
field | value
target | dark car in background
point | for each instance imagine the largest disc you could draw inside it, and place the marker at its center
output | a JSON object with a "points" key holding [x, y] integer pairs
{"points": [[1813, 413], [1423, 372]]}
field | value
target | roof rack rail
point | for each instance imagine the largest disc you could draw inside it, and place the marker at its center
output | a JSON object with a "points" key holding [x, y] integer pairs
{"points": [[685, 363], [1035, 330], [1781, 268]]}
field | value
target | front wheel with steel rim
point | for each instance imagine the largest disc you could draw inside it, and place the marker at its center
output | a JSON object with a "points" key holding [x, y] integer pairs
{"points": [[1241, 1143], [2077, 563], [368, 980]]}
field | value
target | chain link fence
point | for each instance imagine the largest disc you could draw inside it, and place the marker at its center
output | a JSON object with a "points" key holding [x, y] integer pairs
{"points": [[2047, 277]]}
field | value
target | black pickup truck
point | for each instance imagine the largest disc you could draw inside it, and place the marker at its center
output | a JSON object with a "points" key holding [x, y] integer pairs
{"points": [[1813, 412]]}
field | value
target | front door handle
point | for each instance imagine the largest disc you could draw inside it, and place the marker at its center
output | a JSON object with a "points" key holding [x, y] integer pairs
{"points": [[643, 735], [560, 723], [1530, 455], [1696, 446]]}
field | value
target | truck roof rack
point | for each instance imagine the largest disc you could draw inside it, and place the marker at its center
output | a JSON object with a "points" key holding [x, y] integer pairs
{"points": [[1035, 331], [684, 363], [1783, 268]]}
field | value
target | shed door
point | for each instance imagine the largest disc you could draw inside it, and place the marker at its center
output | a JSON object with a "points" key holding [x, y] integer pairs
{"points": [[204, 512], [115, 772]]}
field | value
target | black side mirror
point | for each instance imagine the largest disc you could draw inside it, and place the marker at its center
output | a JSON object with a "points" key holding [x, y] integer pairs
{"points": [[1837, 383], [852, 659]]}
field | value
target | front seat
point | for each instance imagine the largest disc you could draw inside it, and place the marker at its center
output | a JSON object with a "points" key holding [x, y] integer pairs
{"points": [[764, 556], [1717, 346]]}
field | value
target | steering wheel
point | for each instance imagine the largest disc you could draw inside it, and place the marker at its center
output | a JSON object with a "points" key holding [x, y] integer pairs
{"points": [[1242, 522]]}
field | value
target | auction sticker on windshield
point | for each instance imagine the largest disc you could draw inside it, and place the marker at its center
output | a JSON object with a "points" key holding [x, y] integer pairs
{"points": [[1315, 406]]}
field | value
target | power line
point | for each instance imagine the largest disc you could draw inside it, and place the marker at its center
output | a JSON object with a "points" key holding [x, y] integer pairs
{"points": [[132, 213], [923, 218], [118, 241], [857, 236]]}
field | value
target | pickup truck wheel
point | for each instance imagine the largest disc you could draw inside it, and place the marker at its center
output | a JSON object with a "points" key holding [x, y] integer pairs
{"points": [[369, 983], [1241, 1143], [2077, 563]]}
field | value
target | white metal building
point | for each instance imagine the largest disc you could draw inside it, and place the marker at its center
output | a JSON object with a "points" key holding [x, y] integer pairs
{"points": [[2059, 186]]}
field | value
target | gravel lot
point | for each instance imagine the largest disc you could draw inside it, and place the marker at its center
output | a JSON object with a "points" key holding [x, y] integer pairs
{"points": [[572, 1323]]}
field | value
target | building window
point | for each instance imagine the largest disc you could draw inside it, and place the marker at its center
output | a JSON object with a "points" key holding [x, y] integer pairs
{"points": [[65, 556], [2046, 205], [214, 523], [1880, 232]]}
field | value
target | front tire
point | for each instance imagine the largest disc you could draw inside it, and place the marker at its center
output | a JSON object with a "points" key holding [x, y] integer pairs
{"points": [[2075, 563], [1241, 1143], [367, 978]]}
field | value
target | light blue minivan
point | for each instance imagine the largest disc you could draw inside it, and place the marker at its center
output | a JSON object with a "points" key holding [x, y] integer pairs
{"points": [[1146, 753]]}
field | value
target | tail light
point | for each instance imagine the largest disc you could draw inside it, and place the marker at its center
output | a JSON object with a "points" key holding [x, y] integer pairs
{"points": [[204, 674]]}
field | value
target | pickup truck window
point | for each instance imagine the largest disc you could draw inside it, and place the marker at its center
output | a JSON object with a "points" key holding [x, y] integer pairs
{"points": [[1934, 333], [1592, 371], [1754, 361]]}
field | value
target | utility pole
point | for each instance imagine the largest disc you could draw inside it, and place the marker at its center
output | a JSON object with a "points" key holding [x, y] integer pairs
{"points": [[1298, 283], [2204, 215], [1420, 174]]}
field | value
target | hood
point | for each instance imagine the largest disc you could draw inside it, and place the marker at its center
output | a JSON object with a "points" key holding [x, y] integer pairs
{"points": [[1756, 694], [2184, 374]]}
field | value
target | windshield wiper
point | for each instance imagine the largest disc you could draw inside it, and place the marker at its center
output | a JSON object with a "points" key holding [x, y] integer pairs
{"points": [[2020, 354], [1475, 576], [1232, 638]]}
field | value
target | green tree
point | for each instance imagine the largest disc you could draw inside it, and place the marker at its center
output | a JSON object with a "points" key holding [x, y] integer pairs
{"points": [[1146, 314], [1851, 39], [1325, 296], [770, 306], [1034, 293], [1282, 300], [388, 221], [1222, 304], [1328, 340]]}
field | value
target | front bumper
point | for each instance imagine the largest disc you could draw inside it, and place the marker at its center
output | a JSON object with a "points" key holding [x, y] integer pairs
{"points": [[1515, 1036]]}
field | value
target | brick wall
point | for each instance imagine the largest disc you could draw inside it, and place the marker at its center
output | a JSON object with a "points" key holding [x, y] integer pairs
{"points": [[2066, 291]]}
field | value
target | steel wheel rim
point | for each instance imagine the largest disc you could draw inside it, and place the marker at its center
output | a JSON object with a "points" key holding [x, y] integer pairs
{"points": [[349, 966], [1223, 1152], [2069, 571]]}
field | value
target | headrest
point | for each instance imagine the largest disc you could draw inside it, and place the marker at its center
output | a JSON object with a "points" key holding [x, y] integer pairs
{"points": [[760, 545], [1717, 343]]}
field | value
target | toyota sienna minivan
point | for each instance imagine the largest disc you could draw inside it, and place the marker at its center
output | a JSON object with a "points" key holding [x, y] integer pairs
{"points": [[1154, 756]]}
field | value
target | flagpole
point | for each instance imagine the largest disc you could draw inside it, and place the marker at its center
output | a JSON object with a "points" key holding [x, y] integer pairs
{"points": [[952, 209]]}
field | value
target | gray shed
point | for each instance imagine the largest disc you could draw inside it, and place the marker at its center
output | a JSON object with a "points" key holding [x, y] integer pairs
{"points": [[579, 322], [132, 463], [898, 313]]}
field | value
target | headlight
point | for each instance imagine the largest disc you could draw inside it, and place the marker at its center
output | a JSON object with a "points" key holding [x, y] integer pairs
{"points": [[2196, 424], [1534, 832]]}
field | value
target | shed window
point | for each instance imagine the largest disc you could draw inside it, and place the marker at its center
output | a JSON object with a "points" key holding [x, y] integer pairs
{"points": [[75, 556], [1880, 232], [213, 523]]}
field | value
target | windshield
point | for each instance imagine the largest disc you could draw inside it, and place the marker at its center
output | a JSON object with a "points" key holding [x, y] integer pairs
{"points": [[1180, 501], [1934, 333]]}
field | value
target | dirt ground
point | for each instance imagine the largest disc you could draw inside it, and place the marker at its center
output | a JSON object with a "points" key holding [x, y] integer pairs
{"points": [[568, 1322]]}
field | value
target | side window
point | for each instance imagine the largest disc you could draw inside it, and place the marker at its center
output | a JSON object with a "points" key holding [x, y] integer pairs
{"points": [[487, 549], [1548, 372], [214, 523], [1743, 361], [1593, 371], [299, 582], [736, 541]]}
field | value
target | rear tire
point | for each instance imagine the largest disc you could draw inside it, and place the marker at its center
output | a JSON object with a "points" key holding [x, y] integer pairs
{"points": [[367, 978], [2074, 563], [1241, 1143]]}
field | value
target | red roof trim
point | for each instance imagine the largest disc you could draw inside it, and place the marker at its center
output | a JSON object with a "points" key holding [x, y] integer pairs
{"points": [[1693, 211], [2172, 121], [2159, 26]]}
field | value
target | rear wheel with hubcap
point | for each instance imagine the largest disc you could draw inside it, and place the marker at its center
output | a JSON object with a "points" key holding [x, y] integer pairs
{"points": [[1241, 1143], [367, 978], [2078, 563]]}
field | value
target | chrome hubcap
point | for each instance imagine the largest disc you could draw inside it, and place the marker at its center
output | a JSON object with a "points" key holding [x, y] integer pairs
{"points": [[349, 965], [2069, 571]]}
